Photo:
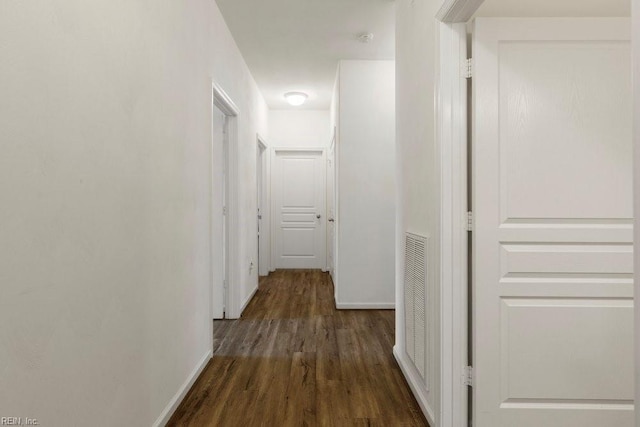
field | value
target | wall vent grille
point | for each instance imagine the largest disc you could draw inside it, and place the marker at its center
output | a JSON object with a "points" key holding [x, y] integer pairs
{"points": [[415, 300]]}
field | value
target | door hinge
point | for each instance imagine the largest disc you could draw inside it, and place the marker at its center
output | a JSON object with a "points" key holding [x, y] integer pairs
{"points": [[468, 68], [224, 298], [469, 221], [467, 376], [224, 210]]}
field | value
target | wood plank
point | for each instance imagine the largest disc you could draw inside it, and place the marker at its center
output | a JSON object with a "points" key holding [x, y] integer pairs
{"points": [[300, 409], [294, 360]]}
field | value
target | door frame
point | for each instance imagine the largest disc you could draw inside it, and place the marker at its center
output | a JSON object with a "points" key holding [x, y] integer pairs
{"points": [[222, 101], [635, 58], [264, 249], [272, 158], [331, 243], [218, 159], [452, 139], [336, 209]]}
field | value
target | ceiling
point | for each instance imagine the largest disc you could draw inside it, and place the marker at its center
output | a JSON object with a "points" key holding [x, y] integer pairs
{"points": [[295, 45], [554, 8]]}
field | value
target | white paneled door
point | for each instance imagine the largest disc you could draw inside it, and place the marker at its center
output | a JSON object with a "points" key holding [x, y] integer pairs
{"points": [[299, 192], [552, 202]]}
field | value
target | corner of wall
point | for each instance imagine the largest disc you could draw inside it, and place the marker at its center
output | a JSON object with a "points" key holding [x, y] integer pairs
{"points": [[417, 186], [175, 401], [416, 384]]}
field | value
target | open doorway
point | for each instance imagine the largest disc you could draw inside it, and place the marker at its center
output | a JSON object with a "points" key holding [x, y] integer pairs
{"points": [[262, 207], [219, 226], [223, 206]]}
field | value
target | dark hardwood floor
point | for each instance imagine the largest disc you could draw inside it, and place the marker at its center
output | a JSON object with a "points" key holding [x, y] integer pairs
{"points": [[294, 360]]}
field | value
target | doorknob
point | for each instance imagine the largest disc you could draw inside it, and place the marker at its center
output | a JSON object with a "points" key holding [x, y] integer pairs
{"points": [[331, 220], [318, 216]]}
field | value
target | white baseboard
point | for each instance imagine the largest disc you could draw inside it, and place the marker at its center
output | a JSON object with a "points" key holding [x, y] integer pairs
{"points": [[248, 300], [165, 416], [415, 383], [365, 305]]}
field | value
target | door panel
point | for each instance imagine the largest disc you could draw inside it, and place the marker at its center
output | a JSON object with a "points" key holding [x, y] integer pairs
{"points": [[299, 241], [299, 202], [552, 202], [553, 95], [299, 182], [577, 325]]}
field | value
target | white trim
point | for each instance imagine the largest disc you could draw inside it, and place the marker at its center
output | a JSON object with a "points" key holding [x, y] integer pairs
{"points": [[365, 305], [173, 404], [227, 106], [331, 243], [264, 259], [299, 150], [451, 114], [635, 54], [452, 140], [248, 300], [211, 219], [335, 276], [453, 11], [224, 101], [415, 383]]}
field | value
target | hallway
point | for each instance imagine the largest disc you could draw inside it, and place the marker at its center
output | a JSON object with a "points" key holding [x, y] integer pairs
{"points": [[293, 360]]}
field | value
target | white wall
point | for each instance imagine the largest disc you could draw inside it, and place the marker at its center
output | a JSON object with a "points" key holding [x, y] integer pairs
{"points": [[231, 73], [366, 185], [105, 138], [418, 161], [299, 128]]}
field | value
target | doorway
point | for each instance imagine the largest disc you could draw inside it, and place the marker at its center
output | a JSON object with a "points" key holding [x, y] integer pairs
{"points": [[224, 228], [299, 194], [219, 227], [262, 204]]}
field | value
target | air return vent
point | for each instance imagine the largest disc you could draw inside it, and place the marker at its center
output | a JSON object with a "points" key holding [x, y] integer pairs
{"points": [[415, 299]]}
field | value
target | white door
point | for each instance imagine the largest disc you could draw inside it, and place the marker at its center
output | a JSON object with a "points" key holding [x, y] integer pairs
{"points": [[552, 245], [299, 189], [219, 228], [331, 215]]}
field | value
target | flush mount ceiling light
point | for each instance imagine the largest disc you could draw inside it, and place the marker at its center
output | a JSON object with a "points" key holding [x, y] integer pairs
{"points": [[365, 37], [295, 98]]}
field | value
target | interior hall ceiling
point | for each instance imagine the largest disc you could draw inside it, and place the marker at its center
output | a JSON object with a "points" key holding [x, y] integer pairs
{"points": [[295, 45], [554, 8]]}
